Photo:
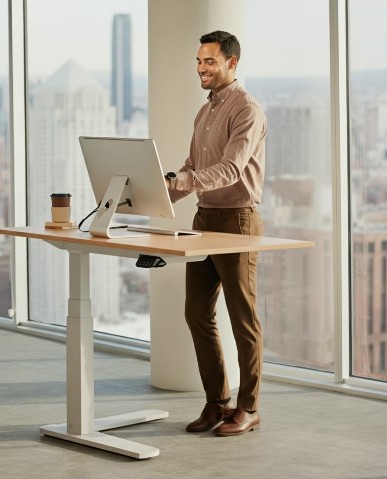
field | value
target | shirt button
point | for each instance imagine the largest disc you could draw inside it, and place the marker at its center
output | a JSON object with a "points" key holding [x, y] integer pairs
{"points": [[205, 148], [213, 109], [207, 128]]}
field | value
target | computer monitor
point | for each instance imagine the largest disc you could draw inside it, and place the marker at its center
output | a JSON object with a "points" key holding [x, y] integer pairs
{"points": [[126, 177]]}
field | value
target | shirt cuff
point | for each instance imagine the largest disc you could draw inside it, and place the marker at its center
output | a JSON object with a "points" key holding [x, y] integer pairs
{"points": [[182, 182]]}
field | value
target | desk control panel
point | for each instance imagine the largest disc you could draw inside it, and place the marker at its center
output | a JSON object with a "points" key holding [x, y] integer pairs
{"points": [[148, 261]]}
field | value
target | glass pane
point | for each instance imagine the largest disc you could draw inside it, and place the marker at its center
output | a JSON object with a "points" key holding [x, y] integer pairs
{"points": [[287, 70], [5, 245], [368, 175], [87, 76]]}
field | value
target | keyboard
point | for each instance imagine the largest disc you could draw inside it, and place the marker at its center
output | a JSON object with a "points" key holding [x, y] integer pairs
{"points": [[160, 231], [123, 232]]}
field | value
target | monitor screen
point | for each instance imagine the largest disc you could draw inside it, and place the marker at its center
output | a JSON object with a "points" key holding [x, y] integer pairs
{"points": [[144, 192]]}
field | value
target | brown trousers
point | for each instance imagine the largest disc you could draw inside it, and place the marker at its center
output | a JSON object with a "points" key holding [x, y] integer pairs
{"points": [[237, 274]]}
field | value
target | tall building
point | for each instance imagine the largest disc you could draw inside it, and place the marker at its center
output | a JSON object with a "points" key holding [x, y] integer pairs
{"points": [[297, 312], [297, 203], [369, 286], [299, 141], [68, 104], [122, 78]]}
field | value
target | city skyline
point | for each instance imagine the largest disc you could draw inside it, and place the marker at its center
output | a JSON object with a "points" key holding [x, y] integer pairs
{"points": [[280, 192], [297, 200], [69, 16], [285, 40]]}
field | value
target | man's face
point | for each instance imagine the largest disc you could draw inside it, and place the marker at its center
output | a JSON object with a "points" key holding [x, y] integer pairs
{"points": [[215, 71]]}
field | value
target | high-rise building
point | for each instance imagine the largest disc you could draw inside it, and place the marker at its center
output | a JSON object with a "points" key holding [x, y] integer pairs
{"points": [[68, 104], [299, 138], [297, 312], [121, 76], [297, 203]]}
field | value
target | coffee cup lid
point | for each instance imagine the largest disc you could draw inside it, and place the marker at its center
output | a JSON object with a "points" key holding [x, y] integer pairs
{"points": [[61, 195]]}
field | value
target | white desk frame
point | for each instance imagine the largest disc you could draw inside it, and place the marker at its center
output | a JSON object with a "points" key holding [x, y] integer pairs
{"points": [[81, 426]]}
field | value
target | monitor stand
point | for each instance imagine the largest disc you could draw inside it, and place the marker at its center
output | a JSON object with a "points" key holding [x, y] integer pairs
{"points": [[102, 222]]}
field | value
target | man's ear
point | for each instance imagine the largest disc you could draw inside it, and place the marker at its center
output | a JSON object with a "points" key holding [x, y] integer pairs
{"points": [[233, 62]]}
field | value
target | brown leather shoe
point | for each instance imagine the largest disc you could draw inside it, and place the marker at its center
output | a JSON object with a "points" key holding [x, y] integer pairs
{"points": [[238, 423], [211, 415]]}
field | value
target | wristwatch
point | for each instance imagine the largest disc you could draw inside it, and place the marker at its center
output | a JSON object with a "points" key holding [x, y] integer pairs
{"points": [[172, 179]]}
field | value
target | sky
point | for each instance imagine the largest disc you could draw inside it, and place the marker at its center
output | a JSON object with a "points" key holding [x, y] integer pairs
{"points": [[275, 37], [283, 37], [368, 33], [288, 37], [60, 30]]}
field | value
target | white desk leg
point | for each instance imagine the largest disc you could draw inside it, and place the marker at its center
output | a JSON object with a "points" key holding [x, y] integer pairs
{"points": [[80, 349], [81, 426]]}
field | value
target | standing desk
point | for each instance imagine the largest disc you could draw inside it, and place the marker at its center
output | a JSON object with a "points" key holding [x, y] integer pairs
{"points": [[81, 426]]}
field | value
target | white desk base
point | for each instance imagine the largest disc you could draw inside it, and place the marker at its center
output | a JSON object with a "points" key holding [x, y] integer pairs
{"points": [[107, 442], [81, 427]]}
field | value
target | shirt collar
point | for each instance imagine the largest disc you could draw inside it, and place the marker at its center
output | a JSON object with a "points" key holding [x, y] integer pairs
{"points": [[224, 93]]}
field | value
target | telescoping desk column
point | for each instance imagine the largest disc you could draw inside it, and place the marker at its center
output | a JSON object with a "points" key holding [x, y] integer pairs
{"points": [[81, 426]]}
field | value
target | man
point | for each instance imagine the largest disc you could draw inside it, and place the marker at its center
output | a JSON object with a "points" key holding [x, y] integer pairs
{"points": [[225, 168]]}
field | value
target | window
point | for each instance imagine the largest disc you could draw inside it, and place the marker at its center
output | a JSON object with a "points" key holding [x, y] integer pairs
{"points": [[87, 76], [70, 94], [370, 275], [382, 357], [291, 79], [5, 252], [383, 298], [368, 162], [370, 359]]}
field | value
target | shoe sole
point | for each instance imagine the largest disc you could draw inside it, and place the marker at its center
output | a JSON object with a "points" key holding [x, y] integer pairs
{"points": [[207, 429], [227, 434], [211, 427]]}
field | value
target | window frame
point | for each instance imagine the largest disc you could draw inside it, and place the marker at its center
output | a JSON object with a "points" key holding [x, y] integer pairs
{"points": [[340, 380]]}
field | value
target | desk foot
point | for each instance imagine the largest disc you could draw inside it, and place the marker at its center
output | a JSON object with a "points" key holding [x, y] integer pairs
{"points": [[111, 443], [128, 419]]}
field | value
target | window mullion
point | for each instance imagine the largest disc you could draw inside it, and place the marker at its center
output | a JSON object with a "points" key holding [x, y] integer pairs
{"points": [[339, 135], [18, 148]]}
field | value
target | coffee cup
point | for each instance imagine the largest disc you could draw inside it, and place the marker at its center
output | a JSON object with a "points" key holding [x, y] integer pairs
{"points": [[60, 207]]}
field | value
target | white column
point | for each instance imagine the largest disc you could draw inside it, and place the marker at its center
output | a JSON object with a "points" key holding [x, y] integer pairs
{"points": [[175, 96]]}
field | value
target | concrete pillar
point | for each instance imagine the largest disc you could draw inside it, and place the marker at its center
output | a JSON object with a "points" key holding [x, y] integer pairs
{"points": [[175, 96]]}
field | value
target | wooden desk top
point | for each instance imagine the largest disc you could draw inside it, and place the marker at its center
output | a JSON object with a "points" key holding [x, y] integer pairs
{"points": [[186, 246]]}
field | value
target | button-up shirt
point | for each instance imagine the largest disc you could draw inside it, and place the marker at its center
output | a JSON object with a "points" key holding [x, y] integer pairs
{"points": [[226, 163]]}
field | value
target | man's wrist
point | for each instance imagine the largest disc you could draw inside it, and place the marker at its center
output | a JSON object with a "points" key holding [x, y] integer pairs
{"points": [[171, 180]]}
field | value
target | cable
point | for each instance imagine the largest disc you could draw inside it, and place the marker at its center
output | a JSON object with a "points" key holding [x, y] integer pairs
{"points": [[96, 209], [88, 216]]}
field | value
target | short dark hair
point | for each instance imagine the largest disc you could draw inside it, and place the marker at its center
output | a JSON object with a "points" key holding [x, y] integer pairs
{"points": [[229, 44]]}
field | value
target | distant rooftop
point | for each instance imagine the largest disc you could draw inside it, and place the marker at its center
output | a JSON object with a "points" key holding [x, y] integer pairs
{"points": [[70, 77]]}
